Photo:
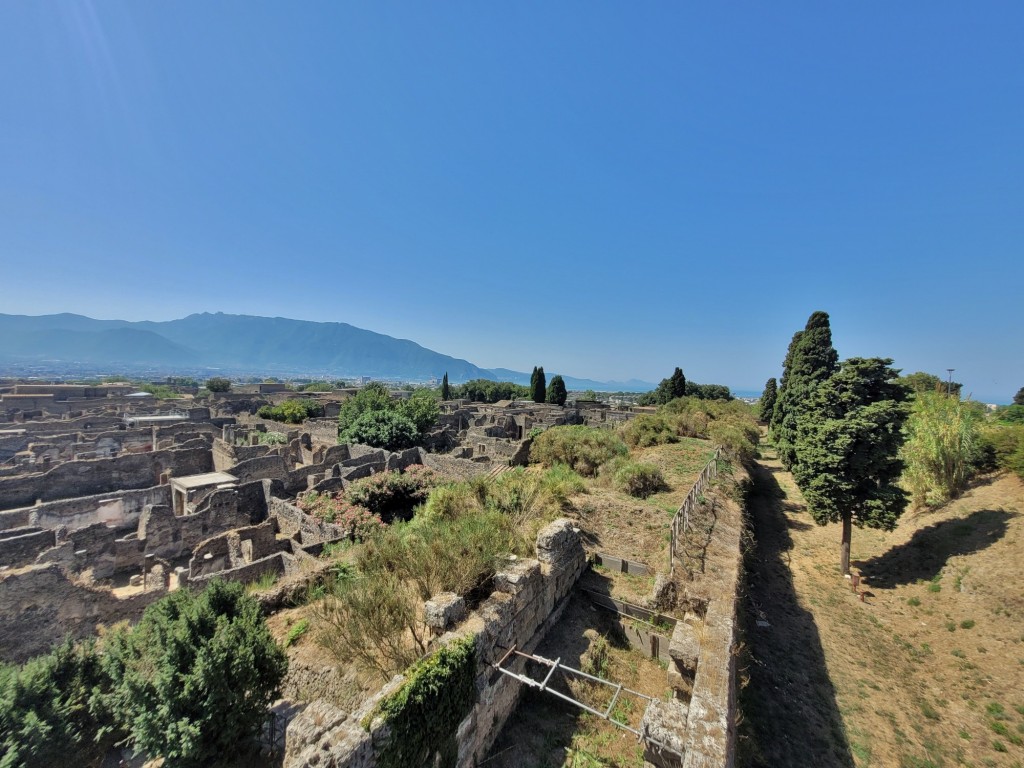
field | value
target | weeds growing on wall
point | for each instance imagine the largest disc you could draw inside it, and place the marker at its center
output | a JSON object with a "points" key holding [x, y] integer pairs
{"points": [[424, 714]]}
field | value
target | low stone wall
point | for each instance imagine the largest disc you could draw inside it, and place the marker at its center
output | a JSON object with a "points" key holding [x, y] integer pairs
{"points": [[22, 546], [119, 509], [699, 724], [528, 596]]}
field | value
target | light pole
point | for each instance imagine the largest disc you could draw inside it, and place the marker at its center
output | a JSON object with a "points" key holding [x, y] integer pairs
{"points": [[949, 386]]}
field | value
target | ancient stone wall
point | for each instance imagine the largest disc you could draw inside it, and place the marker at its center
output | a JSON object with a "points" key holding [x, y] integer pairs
{"points": [[528, 596], [40, 604], [21, 546], [119, 509], [96, 476]]}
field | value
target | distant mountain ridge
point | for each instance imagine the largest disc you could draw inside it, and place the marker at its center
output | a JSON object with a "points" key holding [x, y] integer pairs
{"points": [[244, 342]]}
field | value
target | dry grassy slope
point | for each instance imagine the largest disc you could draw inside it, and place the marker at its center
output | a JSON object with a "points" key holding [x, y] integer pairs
{"points": [[929, 671]]}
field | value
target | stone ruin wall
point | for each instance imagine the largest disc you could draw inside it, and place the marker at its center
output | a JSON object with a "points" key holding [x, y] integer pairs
{"points": [[97, 476], [529, 596]]}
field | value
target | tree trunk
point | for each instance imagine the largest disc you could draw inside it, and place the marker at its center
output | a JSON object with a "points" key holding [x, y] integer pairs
{"points": [[844, 553]]}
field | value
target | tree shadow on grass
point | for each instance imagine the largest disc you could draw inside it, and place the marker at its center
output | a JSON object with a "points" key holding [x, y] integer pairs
{"points": [[928, 550], [788, 706]]}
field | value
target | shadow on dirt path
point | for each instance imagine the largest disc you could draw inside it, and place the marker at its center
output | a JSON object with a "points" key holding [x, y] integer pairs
{"points": [[790, 716]]}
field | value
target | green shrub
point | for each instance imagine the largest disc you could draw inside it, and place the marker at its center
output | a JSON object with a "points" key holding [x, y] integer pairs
{"points": [[737, 438], [391, 494], [584, 449], [650, 429], [437, 556], [193, 679], [218, 384], [562, 482], [291, 411], [390, 430], [298, 629], [371, 618], [272, 438], [638, 479], [1004, 446], [449, 501], [50, 709], [941, 449]]}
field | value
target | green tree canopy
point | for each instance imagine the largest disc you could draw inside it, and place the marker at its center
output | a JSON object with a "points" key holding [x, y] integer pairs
{"points": [[920, 381], [390, 430], [677, 384], [194, 678], [768, 398], [373, 397], [1018, 399], [49, 709], [810, 360], [556, 392], [848, 442], [538, 385], [218, 384], [446, 390]]}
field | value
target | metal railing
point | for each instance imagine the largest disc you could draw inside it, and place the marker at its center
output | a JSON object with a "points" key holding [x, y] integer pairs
{"points": [[681, 519]]}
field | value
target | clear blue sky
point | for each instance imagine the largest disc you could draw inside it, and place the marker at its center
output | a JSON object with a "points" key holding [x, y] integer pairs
{"points": [[606, 189]]}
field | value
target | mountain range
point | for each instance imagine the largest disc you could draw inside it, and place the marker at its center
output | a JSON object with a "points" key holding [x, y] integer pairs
{"points": [[245, 343]]}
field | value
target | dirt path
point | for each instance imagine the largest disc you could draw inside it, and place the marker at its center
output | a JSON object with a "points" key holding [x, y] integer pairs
{"points": [[928, 671]]}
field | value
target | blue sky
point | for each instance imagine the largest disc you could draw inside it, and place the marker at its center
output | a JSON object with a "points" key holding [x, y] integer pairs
{"points": [[605, 189]]}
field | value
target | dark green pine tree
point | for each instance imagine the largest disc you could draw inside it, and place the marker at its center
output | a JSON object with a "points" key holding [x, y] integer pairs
{"points": [[768, 398], [848, 442], [811, 359], [446, 391], [781, 401], [556, 393], [677, 382], [538, 385], [1018, 399]]}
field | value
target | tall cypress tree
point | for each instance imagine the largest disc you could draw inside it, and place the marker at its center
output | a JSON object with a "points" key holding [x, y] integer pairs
{"points": [[678, 383], [556, 393], [446, 391], [811, 359], [768, 398], [538, 385]]}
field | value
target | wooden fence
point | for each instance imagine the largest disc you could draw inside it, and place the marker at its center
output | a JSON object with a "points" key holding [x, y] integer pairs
{"points": [[681, 520]]}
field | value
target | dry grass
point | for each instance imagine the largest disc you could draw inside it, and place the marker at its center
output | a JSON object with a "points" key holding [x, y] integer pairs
{"points": [[928, 671]]}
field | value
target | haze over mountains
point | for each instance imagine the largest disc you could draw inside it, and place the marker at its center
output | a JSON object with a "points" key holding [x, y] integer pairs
{"points": [[245, 343]]}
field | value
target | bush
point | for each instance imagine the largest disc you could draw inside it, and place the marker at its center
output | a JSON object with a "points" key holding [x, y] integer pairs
{"points": [[449, 501], [942, 448], [49, 709], [389, 430], [194, 678], [1003, 445], [218, 384], [371, 618], [650, 429], [738, 439], [359, 522], [391, 494], [456, 555], [292, 411], [584, 449], [638, 479]]}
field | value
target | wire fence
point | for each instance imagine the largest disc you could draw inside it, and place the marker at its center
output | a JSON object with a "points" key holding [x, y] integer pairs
{"points": [[681, 519]]}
